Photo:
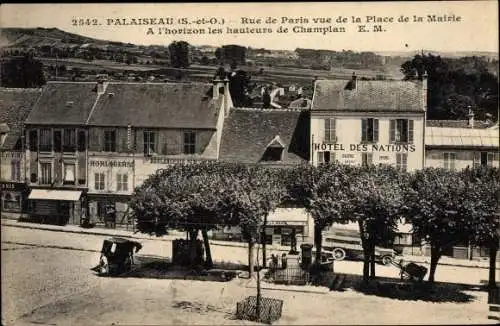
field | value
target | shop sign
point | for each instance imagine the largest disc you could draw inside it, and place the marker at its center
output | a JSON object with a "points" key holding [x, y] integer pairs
{"points": [[112, 163], [12, 186], [277, 223], [168, 160], [364, 147]]}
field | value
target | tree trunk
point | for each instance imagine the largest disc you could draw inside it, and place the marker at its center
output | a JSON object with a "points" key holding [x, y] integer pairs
{"points": [[318, 240], [493, 249], [263, 242], [435, 255], [366, 263], [208, 254], [372, 262], [193, 235], [250, 258], [258, 306]]}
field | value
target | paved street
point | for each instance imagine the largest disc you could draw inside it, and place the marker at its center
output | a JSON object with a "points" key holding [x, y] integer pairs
{"points": [[43, 283]]}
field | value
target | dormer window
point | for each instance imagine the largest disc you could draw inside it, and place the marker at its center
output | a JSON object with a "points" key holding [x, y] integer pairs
{"points": [[274, 150]]}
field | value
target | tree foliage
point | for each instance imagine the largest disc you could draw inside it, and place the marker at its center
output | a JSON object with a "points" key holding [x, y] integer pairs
{"points": [[179, 54], [454, 85], [22, 72], [231, 54]]}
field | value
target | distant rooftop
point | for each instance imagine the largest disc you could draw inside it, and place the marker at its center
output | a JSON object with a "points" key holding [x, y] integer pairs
{"points": [[369, 95], [461, 137], [478, 124]]}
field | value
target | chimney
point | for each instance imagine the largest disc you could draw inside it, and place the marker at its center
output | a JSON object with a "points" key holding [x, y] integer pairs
{"points": [[228, 101], [354, 78], [471, 118]]}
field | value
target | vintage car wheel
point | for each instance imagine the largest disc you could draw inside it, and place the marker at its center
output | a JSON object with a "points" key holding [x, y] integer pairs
{"points": [[386, 260], [338, 254]]}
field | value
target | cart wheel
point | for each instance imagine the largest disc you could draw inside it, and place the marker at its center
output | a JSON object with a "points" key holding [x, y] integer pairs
{"points": [[104, 268], [386, 260], [338, 254]]}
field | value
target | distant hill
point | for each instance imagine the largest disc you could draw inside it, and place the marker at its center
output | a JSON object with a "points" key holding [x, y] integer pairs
{"points": [[32, 37], [457, 54]]}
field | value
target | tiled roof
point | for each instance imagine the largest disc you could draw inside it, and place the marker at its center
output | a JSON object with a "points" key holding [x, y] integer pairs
{"points": [[15, 105], [167, 105], [372, 95], [247, 133], [478, 124], [64, 103], [461, 137]]}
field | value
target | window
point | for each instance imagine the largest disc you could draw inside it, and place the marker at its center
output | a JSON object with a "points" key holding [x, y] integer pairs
{"points": [[57, 140], [82, 141], [122, 182], [99, 181], [272, 154], [15, 171], [69, 173], [69, 142], [401, 131], [149, 143], [110, 141], [449, 160], [369, 130], [402, 161], [33, 138], [366, 159], [326, 157], [11, 202], [46, 173], [330, 132], [189, 142], [45, 140]]}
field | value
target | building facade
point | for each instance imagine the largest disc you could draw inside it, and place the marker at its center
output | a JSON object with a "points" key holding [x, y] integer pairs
{"points": [[457, 145], [56, 152], [369, 122], [15, 105], [136, 129], [277, 138]]}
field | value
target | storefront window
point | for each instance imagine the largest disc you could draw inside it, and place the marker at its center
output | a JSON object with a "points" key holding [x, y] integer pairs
{"points": [[11, 202]]}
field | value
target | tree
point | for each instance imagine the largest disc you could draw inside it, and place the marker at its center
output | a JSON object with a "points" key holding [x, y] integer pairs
{"points": [[179, 54], [481, 206], [454, 85], [233, 54], [23, 72], [435, 207], [374, 199], [238, 87]]}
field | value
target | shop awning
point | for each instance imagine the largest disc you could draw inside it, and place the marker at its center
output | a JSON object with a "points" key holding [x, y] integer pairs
{"points": [[287, 216], [48, 194]]}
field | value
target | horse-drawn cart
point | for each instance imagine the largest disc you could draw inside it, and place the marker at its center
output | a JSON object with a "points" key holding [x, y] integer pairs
{"points": [[410, 271]]}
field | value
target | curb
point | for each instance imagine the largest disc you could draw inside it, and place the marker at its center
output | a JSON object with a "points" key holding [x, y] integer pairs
{"points": [[213, 242]]}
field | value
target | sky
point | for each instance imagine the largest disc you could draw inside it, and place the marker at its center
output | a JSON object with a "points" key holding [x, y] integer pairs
{"points": [[475, 30]]}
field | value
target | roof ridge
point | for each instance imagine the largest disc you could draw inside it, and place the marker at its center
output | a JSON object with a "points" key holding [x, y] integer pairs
{"points": [[268, 109]]}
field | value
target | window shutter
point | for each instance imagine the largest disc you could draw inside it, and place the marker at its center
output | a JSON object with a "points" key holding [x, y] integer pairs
{"points": [[392, 131], [375, 130], [477, 159], [369, 159], [364, 123], [327, 130], [405, 161], [333, 129], [333, 157], [321, 157], [410, 131], [490, 159]]}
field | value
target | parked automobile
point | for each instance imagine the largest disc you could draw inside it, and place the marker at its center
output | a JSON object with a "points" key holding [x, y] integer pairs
{"points": [[350, 248]]}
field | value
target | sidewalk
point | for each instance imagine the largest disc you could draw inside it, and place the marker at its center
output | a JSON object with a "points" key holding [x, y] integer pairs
{"points": [[176, 234]]}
